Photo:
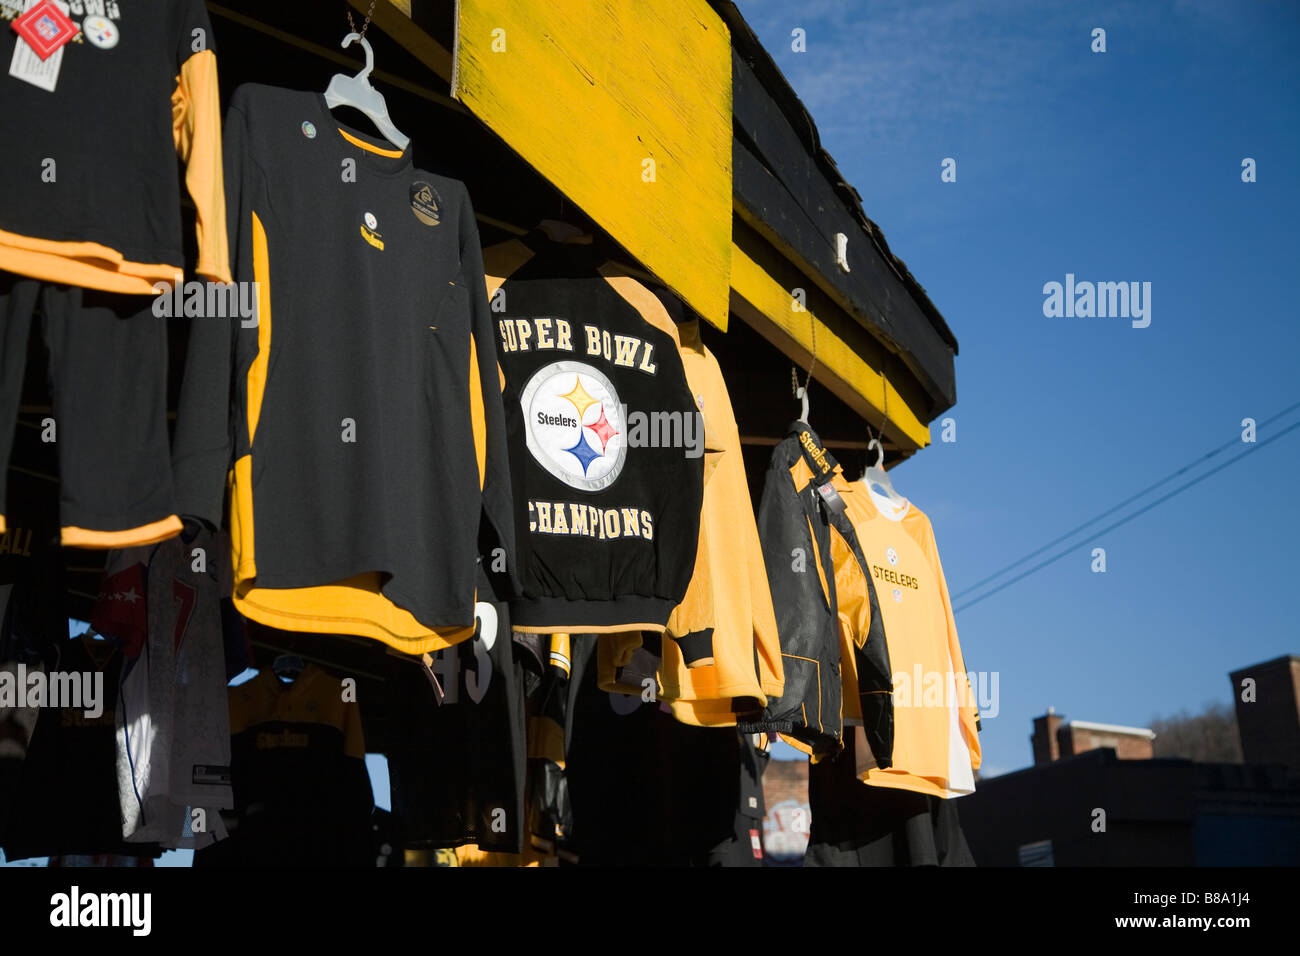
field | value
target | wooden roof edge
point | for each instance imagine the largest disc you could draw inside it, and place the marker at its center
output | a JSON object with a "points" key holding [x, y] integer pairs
{"points": [[746, 42]]}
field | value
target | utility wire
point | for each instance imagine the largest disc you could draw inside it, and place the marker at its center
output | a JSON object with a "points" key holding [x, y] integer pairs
{"points": [[1127, 501], [1125, 520]]}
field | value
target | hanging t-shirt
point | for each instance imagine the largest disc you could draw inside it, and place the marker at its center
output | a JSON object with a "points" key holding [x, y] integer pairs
{"points": [[173, 728], [89, 137], [361, 413], [605, 442], [936, 745], [457, 769], [67, 798], [298, 765]]}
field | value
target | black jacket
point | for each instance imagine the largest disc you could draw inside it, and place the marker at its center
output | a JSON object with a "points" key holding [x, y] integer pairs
{"points": [[806, 535]]}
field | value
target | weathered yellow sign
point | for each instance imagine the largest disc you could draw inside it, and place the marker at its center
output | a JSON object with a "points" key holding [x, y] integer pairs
{"points": [[625, 105]]}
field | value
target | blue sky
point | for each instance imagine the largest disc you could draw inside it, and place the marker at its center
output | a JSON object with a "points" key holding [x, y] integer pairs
{"points": [[1115, 166]]}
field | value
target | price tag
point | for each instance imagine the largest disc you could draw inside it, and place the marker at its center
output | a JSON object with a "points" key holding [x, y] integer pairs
{"points": [[42, 30]]}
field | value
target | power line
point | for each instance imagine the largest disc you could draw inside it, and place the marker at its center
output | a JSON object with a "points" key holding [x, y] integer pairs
{"points": [[1129, 500], [1125, 520]]}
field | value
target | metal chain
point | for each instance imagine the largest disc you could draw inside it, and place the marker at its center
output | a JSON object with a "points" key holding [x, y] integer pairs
{"points": [[352, 27]]}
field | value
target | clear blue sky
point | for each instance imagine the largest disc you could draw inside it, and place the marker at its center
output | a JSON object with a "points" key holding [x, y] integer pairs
{"points": [[1115, 166]]}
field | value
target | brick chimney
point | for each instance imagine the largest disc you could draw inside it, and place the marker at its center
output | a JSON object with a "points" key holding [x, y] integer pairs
{"points": [[1129, 743], [1043, 739], [1269, 724]]}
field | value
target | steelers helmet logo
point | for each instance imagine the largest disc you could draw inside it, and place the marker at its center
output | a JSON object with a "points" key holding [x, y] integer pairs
{"points": [[574, 425], [892, 556], [100, 31]]}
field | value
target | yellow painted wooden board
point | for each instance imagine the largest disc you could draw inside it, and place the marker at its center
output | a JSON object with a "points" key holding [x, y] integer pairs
{"points": [[625, 105], [771, 303]]}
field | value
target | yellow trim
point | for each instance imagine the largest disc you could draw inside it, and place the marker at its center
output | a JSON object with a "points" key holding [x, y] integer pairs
{"points": [[362, 144], [196, 129], [588, 629], [4, 529], [477, 415], [87, 264], [352, 606], [797, 744], [72, 537], [641, 299], [258, 370], [753, 284]]}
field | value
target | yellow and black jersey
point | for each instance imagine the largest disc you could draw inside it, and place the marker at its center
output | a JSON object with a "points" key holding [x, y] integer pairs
{"points": [[820, 585], [364, 448], [746, 665], [89, 137], [936, 745], [606, 447], [297, 766]]}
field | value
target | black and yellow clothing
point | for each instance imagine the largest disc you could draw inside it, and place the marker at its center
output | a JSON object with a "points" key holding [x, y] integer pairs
{"points": [[457, 767], [856, 826], [108, 373], [746, 663], [365, 441], [820, 584], [298, 768], [936, 742], [599, 416], [92, 188]]}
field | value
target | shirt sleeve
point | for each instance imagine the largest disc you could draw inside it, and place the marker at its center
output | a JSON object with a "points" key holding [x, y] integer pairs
{"points": [[498, 517], [196, 127], [203, 447]]}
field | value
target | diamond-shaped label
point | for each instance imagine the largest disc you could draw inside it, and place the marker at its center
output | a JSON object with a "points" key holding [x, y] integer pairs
{"points": [[45, 28]]}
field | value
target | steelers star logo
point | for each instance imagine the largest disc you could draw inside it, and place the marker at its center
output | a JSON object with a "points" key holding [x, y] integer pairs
{"points": [[100, 31], [892, 556], [574, 425]]}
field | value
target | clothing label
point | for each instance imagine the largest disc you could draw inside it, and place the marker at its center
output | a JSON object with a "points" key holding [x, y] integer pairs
{"points": [[756, 843], [832, 498], [28, 64], [46, 27], [210, 775], [425, 203]]}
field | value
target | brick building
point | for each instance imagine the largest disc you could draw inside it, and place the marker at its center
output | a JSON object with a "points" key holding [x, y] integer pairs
{"points": [[1267, 698]]}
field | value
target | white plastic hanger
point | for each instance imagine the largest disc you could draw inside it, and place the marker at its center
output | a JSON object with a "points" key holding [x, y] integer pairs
{"points": [[876, 475], [801, 393], [356, 92]]}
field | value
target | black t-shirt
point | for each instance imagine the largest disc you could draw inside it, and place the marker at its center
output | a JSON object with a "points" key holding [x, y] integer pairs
{"points": [[606, 441]]}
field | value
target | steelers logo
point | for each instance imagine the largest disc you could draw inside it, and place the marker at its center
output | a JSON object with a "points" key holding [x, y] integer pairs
{"points": [[371, 221], [100, 31], [892, 556], [574, 425]]}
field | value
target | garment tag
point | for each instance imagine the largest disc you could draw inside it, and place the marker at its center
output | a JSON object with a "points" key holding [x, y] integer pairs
{"points": [[756, 843], [210, 774], [38, 52], [832, 498]]}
